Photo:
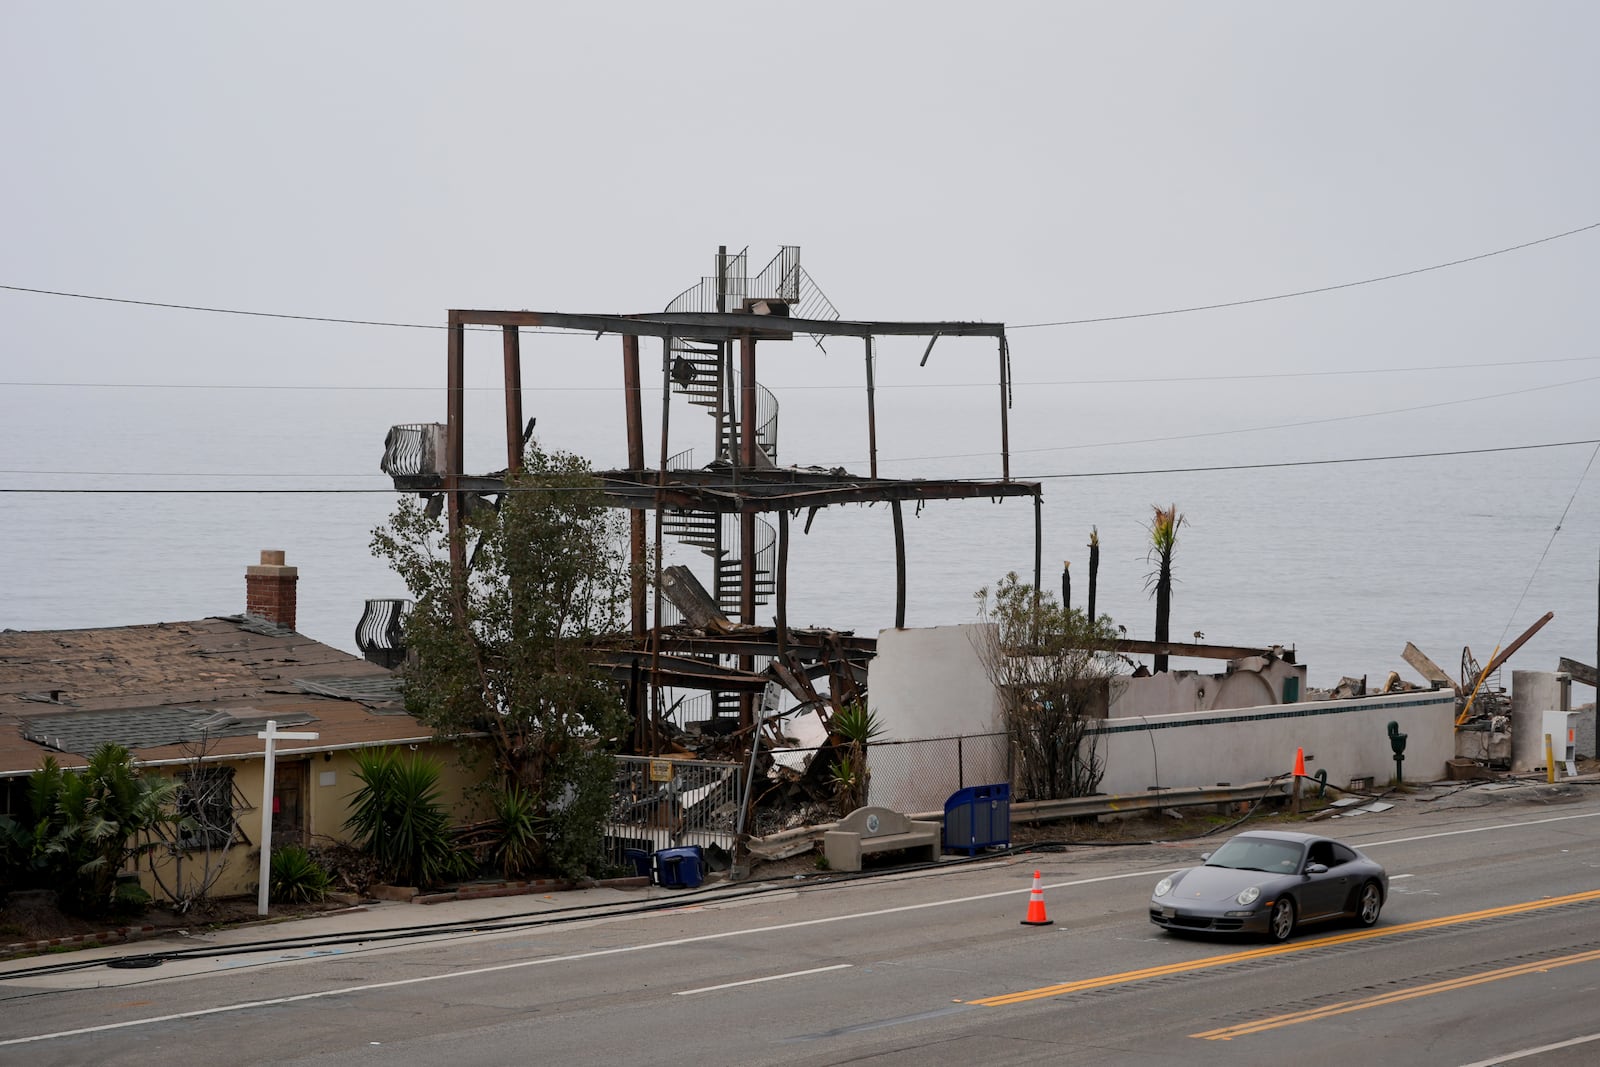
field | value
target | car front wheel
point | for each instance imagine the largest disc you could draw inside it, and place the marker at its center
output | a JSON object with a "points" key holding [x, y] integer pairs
{"points": [[1368, 904], [1281, 922]]}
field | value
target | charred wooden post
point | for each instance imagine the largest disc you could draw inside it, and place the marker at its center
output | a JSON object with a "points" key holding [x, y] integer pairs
{"points": [[511, 344], [455, 437], [899, 566]]}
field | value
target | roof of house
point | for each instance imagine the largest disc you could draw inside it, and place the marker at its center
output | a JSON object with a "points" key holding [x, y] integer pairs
{"points": [[174, 691]]}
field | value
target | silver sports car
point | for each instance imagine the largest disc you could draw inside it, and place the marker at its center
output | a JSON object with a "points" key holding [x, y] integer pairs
{"points": [[1269, 882]]}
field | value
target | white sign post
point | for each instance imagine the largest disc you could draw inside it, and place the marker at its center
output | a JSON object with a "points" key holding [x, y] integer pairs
{"points": [[271, 734]]}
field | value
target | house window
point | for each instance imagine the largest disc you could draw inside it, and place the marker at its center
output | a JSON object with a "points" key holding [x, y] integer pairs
{"points": [[13, 796], [205, 803]]}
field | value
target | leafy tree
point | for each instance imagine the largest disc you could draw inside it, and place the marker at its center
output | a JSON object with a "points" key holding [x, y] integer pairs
{"points": [[504, 651], [1050, 666], [1163, 542]]}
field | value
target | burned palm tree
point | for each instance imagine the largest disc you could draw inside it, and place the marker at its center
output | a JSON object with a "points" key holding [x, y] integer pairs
{"points": [[1163, 541]]}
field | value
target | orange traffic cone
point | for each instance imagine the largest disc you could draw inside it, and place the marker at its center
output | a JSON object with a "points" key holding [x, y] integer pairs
{"points": [[1299, 763], [1036, 905]]}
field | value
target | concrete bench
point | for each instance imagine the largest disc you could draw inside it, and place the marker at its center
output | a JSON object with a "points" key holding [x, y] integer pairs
{"points": [[871, 829]]}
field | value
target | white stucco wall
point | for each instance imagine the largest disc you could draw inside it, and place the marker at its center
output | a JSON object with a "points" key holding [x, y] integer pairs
{"points": [[929, 682], [1249, 683], [1347, 738]]}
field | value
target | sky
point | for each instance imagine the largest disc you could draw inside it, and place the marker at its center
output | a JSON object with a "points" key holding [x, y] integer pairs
{"points": [[1028, 163]]}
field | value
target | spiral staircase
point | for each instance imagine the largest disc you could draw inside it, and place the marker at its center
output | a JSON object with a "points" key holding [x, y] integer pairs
{"points": [[703, 374]]}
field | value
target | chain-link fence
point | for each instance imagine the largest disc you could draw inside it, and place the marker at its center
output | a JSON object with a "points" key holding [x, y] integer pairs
{"points": [[661, 803], [920, 775]]}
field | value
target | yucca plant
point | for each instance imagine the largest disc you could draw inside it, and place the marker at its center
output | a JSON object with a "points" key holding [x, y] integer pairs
{"points": [[515, 847], [856, 726], [296, 878], [398, 818]]}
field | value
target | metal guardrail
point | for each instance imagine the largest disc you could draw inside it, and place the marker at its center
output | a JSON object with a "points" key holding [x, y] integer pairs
{"points": [[791, 842]]}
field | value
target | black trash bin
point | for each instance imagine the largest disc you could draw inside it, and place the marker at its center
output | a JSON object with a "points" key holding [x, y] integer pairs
{"points": [[978, 817]]}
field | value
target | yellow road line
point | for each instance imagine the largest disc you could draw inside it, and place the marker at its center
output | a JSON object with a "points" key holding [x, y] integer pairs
{"points": [[1164, 970], [1227, 1033]]}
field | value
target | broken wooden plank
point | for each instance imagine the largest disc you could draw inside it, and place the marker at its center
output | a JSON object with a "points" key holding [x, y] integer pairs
{"points": [[1581, 672], [1430, 671], [699, 609]]}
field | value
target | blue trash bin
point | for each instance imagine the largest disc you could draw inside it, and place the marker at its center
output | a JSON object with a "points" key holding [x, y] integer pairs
{"points": [[680, 868], [639, 860], [978, 817]]}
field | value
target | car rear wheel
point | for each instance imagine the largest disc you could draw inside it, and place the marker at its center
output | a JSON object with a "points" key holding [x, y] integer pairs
{"points": [[1369, 902], [1280, 924]]}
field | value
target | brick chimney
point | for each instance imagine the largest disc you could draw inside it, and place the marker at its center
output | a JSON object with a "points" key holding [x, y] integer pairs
{"points": [[270, 589]]}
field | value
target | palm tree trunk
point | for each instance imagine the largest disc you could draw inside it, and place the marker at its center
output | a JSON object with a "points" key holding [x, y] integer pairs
{"points": [[1163, 609]]}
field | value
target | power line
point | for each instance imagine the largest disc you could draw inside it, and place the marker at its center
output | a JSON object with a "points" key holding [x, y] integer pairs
{"points": [[1024, 326], [1255, 429], [845, 483], [1540, 562], [1187, 379], [1312, 462], [1310, 292]]}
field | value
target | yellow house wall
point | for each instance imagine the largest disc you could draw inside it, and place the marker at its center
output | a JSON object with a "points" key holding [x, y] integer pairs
{"points": [[330, 791]]}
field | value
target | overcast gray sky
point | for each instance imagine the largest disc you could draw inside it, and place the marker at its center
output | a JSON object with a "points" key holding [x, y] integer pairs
{"points": [[1019, 162]]}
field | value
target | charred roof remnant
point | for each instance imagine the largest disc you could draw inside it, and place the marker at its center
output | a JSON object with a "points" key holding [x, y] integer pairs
{"points": [[688, 634]]}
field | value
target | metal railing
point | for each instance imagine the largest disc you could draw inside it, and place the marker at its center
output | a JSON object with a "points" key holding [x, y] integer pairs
{"points": [[660, 803], [414, 449]]}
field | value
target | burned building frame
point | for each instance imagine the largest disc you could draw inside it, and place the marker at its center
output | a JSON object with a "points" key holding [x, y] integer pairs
{"points": [[710, 355]]}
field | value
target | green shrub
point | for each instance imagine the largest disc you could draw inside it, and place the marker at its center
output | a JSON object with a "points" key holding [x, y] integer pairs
{"points": [[398, 818], [296, 878]]}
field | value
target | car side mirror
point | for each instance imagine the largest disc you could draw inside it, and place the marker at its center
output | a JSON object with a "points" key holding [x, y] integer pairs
{"points": [[1205, 856], [1316, 868]]}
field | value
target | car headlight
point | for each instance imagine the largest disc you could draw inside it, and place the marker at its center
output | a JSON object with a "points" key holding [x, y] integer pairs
{"points": [[1249, 896], [1164, 886]]}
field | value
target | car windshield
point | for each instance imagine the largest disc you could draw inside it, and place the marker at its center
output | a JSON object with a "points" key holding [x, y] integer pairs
{"points": [[1256, 854]]}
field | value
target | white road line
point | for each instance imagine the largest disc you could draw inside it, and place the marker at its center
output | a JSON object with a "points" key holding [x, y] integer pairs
{"points": [[1478, 830], [1495, 1061], [756, 981]]}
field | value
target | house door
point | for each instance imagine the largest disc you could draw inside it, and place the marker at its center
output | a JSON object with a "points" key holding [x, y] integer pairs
{"points": [[289, 803]]}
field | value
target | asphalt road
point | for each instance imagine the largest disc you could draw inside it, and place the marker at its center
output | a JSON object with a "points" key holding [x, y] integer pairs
{"points": [[1488, 948]]}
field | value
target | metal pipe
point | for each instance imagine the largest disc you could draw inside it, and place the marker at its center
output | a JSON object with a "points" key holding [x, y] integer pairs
{"points": [[1005, 404], [872, 413], [661, 481]]}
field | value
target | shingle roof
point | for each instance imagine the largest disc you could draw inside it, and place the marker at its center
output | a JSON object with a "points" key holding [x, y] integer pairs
{"points": [[167, 689]]}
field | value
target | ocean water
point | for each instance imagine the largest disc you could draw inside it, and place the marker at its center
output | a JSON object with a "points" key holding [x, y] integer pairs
{"points": [[1345, 563]]}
